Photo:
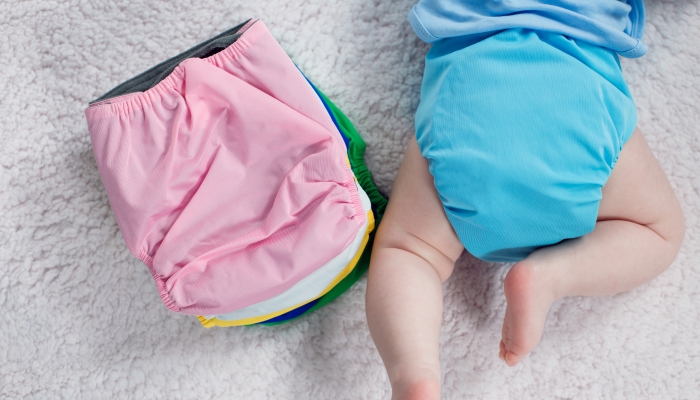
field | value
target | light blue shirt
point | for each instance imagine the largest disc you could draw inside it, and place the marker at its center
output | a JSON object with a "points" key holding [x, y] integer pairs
{"points": [[613, 24]]}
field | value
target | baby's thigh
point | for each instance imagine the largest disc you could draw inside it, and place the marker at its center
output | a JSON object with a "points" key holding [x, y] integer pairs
{"points": [[415, 220], [638, 191]]}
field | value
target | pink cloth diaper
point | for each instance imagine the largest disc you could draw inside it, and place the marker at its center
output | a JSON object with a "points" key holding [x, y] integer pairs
{"points": [[306, 290], [228, 178]]}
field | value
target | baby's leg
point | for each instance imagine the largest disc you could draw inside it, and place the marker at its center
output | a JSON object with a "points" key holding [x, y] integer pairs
{"points": [[638, 234], [414, 252]]}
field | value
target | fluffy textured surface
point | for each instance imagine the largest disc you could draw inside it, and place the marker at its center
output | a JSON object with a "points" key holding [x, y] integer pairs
{"points": [[81, 318]]}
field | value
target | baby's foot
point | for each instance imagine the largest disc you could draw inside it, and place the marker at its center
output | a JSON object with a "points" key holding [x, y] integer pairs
{"points": [[428, 389], [529, 294], [417, 384]]}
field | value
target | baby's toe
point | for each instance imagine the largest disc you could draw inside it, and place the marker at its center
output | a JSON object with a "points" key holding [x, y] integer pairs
{"points": [[515, 353], [511, 359]]}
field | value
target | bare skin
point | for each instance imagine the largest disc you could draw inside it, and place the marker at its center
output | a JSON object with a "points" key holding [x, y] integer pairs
{"points": [[638, 234]]}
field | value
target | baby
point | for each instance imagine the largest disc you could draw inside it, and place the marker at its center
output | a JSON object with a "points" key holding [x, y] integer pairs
{"points": [[526, 151]]}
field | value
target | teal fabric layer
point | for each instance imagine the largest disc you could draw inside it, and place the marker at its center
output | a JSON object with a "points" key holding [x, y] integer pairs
{"points": [[614, 24], [521, 131]]}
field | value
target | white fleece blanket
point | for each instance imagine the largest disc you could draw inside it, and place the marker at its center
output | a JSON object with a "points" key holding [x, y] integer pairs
{"points": [[80, 318]]}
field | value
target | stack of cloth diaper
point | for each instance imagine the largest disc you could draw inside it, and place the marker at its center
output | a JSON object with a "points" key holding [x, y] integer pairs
{"points": [[236, 181]]}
